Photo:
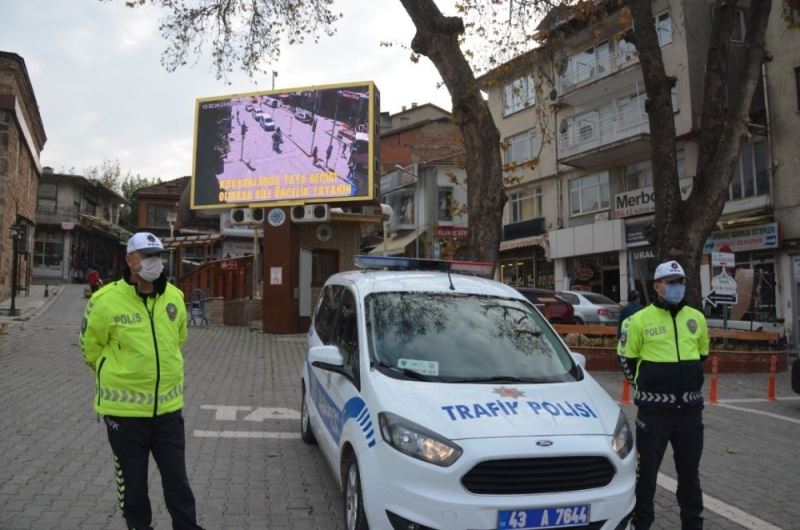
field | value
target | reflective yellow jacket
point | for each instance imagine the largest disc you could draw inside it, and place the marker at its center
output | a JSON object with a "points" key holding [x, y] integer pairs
{"points": [[661, 350], [134, 347]]}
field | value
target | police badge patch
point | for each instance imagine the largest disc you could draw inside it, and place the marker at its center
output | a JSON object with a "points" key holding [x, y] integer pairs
{"points": [[692, 325], [172, 311]]}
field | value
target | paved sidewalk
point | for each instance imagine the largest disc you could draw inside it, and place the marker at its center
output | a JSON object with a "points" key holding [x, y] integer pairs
{"points": [[247, 465], [28, 305]]}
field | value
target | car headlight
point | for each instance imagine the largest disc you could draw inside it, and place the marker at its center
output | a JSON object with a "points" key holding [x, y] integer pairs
{"points": [[417, 441], [622, 443]]}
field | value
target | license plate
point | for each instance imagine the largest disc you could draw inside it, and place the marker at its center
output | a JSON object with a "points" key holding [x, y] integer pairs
{"points": [[560, 517]]}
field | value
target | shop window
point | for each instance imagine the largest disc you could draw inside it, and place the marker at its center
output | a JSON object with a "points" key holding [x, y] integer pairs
{"points": [[157, 215], [522, 147], [518, 94], [751, 176], [445, 205], [589, 194], [525, 204], [324, 264]]}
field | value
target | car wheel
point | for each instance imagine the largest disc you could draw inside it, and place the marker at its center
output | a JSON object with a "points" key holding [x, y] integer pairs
{"points": [[354, 516], [305, 421], [579, 321]]}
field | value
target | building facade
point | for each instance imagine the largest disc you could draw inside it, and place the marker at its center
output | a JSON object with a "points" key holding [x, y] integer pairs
{"points": [[22, 139], [77, 228], [589, 195]]}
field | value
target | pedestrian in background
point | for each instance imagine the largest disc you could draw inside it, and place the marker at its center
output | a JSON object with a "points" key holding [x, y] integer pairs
{"points": [[131, 337], [314, 152], [661, 350], [630, 308], [93, 279], [328, 153]]}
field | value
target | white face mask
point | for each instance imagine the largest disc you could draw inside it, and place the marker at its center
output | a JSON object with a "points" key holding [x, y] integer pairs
{"points": [[150, 268]]}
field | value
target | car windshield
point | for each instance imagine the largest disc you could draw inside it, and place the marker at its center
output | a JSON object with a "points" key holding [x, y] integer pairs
{"points": [[453, 337], [599, 299]]}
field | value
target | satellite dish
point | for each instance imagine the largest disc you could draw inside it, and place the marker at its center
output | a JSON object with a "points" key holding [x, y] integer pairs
{"points": [[324, 232]]}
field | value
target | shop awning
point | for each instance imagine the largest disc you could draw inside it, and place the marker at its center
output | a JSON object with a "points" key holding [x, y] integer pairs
{"points": [[522, 242], [190, 241], [395, 245], [108, 227]]}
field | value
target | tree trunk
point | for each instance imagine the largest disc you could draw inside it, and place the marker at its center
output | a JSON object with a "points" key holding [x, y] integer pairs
{"points": [[681, 227], [437, 38]]}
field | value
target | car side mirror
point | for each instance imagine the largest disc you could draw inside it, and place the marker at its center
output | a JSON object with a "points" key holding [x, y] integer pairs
{"points": [[326, 358], [579, 358]]}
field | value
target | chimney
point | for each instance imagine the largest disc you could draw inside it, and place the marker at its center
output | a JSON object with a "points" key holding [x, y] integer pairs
{"points": [[414, 105], [47, 169], [404, 109]]}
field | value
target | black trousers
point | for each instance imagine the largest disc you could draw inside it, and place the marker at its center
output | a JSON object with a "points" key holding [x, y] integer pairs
{"points": [[683, 428], [132, 440]]}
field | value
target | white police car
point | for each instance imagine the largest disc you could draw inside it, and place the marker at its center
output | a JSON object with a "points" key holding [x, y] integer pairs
{"points": [[447, 401]]}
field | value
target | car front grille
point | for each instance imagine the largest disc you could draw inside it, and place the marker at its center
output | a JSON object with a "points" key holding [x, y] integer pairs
{"points": [[538, 475]]}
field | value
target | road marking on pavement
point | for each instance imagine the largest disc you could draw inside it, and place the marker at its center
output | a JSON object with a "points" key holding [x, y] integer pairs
{"points": [[246, 434], [717, 506], [763, 413], [229, 413]]}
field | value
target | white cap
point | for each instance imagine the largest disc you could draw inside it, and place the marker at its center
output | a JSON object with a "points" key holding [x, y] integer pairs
{"points": [[668, 270], [146, 243]]}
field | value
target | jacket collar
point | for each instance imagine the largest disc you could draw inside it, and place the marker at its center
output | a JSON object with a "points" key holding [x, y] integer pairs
{"points": [[674, 309], [159, 283]]}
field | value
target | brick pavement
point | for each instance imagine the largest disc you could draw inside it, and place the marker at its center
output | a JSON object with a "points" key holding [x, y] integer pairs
{"points": [[56, 471]]}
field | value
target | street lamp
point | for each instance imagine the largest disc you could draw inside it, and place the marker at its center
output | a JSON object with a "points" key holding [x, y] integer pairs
{"points": [[172, 217], [17, 231]]}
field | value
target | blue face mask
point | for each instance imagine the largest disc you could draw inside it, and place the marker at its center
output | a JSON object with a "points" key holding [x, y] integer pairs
{"points": [[673, 293]]}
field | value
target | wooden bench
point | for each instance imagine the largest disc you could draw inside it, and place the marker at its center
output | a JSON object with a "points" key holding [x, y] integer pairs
{"points": [[603, 332], [770, 339]]}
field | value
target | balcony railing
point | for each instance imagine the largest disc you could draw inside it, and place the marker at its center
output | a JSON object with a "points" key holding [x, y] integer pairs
{"points": [[587, 135], [582, 74], [50, 215]]}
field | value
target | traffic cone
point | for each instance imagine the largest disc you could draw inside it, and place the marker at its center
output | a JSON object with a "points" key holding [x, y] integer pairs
{"points": [[626, 392]]}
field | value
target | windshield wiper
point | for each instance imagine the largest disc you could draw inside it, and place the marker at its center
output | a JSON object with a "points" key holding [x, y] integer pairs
{"points": [[495, 379], [413, 374]]}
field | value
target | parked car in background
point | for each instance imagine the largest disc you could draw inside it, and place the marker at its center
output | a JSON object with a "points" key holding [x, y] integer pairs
{"points": [[592, 308], [554, 308], [271, 102], [303, 116], [267, 123]]}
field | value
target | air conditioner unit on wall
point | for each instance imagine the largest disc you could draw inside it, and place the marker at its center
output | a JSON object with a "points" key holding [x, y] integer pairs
{"points": [[247, 216], [310, 213]]}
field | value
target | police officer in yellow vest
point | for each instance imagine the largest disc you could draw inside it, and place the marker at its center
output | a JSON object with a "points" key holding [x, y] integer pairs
{"points": [[661, 349], [131, 337]]}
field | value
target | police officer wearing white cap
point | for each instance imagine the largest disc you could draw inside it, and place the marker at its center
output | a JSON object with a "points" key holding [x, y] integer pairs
{"points": [[131, 337], [661, 350]]}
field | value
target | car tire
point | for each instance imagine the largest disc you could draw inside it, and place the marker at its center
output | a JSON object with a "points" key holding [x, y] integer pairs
{"points": [[796, 376], [579, 321], [354, 516], [306, 433]]}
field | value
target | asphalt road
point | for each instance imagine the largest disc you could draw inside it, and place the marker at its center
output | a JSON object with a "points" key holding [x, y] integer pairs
{"points": [[247, 465]]}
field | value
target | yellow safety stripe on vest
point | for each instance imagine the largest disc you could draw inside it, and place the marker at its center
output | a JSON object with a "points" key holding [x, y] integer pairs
{"points": [[125, 396]]}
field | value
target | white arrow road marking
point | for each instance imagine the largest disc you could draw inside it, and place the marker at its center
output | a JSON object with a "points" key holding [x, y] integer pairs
{"points": [[246, 434], [727, 511]]}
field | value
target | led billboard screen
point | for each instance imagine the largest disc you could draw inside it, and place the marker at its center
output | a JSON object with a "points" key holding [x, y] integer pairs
{"points": [[302, 145]]}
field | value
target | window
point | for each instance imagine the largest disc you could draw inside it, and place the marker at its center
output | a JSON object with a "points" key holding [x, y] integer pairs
{"points": [[325, 316], [751, 177], [589, 194], [518, 94], [47, 198], [48, 249], [738, 30], [638, 175], [157, 215], [445, 205], [626, 51], [797, 85], [664, 28], [347, 336], [525, 204], [522, 147]]}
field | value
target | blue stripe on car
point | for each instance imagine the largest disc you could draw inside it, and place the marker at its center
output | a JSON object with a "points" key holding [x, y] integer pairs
{"points": [[334, 418]]}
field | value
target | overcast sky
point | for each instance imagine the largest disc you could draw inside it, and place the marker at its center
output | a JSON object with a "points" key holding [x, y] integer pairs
{"points": [[103, 94]]}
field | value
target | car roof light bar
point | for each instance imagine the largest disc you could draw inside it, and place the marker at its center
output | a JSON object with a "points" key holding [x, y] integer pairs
{"points": [[419, 264]]}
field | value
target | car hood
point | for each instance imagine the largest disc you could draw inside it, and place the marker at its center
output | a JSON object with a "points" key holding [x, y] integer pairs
{"points": [[459, 411]]}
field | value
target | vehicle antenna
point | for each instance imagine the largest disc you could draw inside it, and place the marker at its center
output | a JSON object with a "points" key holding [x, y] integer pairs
{"points": [[452, 287]]}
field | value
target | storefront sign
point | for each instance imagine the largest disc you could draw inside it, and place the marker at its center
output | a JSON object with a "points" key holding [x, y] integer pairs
{"points": [[643, 253], [634, 234], [744, 239], [67, 226], [643, 200], [723, 259], [454, 232], [583, 273]]}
